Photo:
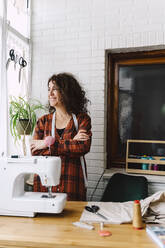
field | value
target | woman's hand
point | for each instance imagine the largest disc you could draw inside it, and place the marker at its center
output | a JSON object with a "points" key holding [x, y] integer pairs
{"points": [[37, 145], [81, 135]]}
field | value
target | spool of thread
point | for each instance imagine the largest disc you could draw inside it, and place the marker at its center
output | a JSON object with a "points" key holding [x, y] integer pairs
{"points": [[144, 166], [137, 217], [155, 167]]}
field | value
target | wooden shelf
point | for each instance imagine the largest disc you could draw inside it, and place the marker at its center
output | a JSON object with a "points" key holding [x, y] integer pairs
{"points": [[145, 161], [134, 159]]}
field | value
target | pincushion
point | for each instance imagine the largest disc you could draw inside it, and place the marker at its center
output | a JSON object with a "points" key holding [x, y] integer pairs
{"points": [[49, 140]]}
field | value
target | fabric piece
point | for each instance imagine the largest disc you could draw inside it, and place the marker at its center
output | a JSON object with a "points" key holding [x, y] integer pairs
{"points": [[70, 151], [116, 212], [152, 208]]}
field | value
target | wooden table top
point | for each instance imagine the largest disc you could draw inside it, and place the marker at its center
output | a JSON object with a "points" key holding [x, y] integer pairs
{"points": [[51, 231]]}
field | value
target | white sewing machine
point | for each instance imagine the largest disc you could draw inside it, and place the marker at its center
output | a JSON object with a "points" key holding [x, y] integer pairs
{"points": [[15, 201]]}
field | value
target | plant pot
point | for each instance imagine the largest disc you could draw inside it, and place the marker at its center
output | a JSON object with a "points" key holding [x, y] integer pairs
{"points": [[24, 127]]}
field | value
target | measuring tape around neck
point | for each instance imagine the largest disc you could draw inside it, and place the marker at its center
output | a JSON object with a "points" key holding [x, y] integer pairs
{"points": [[76, 126]]}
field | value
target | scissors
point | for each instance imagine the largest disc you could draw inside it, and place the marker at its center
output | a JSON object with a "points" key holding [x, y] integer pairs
{"points": [[94, 209], [12, 55], [22, 63], [11, 58]]}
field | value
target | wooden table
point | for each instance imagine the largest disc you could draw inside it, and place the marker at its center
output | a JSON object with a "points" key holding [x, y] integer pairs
{"points": [[53, 231]]}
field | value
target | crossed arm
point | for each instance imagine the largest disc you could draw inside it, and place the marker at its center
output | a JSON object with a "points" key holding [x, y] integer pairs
{"points": [[77, 146], [40, 144]]}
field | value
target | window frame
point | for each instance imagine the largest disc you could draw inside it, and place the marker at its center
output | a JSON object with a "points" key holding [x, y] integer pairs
{"points": [[4, 122], [114, 61]]}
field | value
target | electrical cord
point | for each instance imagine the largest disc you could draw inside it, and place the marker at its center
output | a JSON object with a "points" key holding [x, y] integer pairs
{"points": [[91, 197]]}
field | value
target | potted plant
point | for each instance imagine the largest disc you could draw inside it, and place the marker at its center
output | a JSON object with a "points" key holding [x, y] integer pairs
{"points": [[23, 117]]}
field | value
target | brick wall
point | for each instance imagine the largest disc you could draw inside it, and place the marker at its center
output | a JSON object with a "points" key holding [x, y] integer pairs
{"points": [[72, 36]]}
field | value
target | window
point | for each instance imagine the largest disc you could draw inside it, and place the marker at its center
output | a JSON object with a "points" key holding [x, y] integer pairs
{"points": [[14, 35], [136, 101], [18, 16]]}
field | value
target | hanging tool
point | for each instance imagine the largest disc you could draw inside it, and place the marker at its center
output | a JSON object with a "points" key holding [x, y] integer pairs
{"points": [[11, 58], [22, 63]]}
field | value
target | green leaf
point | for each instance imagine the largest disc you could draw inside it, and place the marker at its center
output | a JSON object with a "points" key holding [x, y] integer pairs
{"points": [[20, 108]]}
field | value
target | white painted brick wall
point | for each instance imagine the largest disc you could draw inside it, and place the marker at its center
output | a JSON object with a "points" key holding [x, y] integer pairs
{"points": [[72, 36]]}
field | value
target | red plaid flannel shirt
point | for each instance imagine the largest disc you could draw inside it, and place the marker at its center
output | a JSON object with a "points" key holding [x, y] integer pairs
{"points": [[69, 150]]}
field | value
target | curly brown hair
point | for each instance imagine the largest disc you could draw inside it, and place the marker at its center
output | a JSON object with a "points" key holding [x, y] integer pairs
{"points": [[73, 96]]}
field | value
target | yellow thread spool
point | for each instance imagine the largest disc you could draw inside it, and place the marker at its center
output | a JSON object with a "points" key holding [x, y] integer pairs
{"points": [[137, 217]]}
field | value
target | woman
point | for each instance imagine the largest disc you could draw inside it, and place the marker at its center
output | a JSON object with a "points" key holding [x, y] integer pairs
{"points": [[66, 99]]}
